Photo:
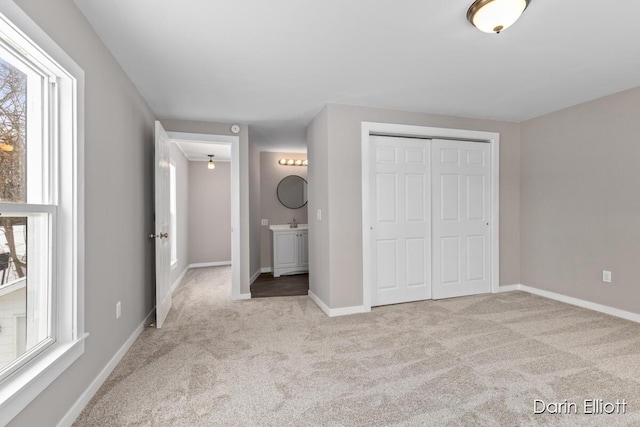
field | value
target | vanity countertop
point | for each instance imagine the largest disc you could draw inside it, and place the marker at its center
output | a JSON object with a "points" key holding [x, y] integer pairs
{"points": [[284, 227]]}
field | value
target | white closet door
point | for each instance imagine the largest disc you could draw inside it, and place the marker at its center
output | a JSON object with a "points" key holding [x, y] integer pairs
{"points": [[400, 217], [461, 213]]}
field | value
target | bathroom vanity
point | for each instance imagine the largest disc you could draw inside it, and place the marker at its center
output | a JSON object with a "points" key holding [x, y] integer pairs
{"points": [[290, 254]]}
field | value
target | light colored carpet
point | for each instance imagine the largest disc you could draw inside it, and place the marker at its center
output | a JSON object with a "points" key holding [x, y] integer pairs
{"points": [[478, 360]]}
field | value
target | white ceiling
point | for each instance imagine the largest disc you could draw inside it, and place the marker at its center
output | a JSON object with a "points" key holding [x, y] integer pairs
{"points": [[274, 64], [199, 151]]}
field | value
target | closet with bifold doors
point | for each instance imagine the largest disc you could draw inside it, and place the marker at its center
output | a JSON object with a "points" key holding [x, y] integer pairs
{"points": [[430, 218]]}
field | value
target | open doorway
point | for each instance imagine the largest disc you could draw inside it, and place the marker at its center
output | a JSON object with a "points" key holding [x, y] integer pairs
{"points": [[205, 204], [284, 229]]}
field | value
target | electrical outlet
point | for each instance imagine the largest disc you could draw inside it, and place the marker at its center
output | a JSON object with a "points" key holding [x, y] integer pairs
{"points": [[265, 222], [118, 310], [606, 276]]}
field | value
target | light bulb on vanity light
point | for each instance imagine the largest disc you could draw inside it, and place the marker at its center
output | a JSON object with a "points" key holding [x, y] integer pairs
{"points": [[298, 162], [290, 162], [305, 162], [282, 161]]}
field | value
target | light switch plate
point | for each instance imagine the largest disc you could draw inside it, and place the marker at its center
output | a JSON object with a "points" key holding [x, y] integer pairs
{"points": [[606, 276], [265, 222], [118, 310], [319, 214]]}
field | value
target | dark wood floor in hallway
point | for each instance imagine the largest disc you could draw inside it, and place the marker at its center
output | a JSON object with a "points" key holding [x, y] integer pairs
{"points": [[284, 286]]}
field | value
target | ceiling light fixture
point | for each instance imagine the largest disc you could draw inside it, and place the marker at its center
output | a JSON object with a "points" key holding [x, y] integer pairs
{"points": [[211, 165], [494, 16]]}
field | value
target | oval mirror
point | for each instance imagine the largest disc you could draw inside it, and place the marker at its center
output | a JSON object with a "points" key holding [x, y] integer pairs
{"points": [[292, 191]]}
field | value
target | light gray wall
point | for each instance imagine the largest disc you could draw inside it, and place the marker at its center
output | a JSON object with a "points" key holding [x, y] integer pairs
{"points": [[580, 201], [119, 256], [182, 211], [318, 181], [254, 206], [345, 192], [209, 212], [248, 239], [270, 207]]}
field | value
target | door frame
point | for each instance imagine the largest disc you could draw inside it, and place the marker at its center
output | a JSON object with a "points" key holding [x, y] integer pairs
{"points": [[236, 230], [389, 129]]}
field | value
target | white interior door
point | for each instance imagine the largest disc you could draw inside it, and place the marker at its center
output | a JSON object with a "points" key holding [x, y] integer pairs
{"points": [[162, 224], [461, 201], [400, 219]]}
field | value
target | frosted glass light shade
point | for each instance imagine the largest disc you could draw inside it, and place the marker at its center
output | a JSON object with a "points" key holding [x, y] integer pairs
{"points": [[211, 165], [494, 16]]}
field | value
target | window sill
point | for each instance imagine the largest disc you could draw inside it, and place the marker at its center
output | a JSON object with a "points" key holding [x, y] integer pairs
{"points": [[19, 390]]}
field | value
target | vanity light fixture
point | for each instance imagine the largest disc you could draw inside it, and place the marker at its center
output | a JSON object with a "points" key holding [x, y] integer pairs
{"points": [[293, 162], [211, 165], [494, 16]]}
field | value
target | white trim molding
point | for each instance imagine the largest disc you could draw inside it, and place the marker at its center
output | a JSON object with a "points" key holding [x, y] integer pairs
{"points": [[179, 279], [209, 264], [255, 276], [75, 410], [510, 288], [335, 312], [241, 297], [493, 138], [616, 312]]}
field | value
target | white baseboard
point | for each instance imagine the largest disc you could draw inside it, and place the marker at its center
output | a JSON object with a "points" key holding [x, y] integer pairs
{"points": [[254, 276], [79, 405], [178, 280], [324, 307], [334, 312], [209, 264], [509, 288], [616, 312], [241, 297], [266, 270]]}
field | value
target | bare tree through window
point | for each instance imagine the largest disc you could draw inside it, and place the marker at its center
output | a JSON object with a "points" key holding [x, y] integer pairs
{"points": [[13, 168]]}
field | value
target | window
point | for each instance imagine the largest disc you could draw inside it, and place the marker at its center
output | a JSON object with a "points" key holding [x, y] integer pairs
{"points": [[41, 211], [172, 213]]}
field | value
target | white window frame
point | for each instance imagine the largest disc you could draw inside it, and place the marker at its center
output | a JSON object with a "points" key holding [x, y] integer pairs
{"points": [[62, 160], [173, 213]]}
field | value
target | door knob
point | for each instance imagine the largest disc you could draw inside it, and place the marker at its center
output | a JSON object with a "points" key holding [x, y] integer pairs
{"points": [[164, 235], [153, 236]]}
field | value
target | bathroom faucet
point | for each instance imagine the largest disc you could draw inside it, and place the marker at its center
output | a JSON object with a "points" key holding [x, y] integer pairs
{"points": [[293, 224]]}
